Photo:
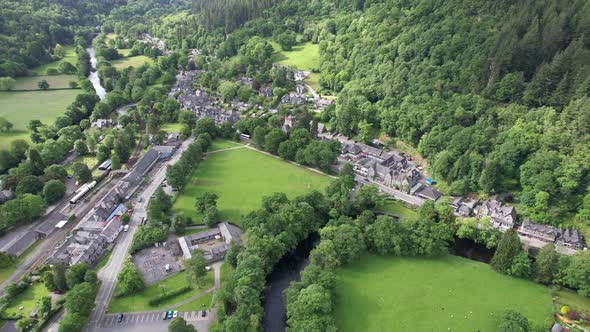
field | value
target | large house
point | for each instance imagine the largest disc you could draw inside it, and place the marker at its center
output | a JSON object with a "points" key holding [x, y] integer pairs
{"points": [[571, 238], [501, 216], [213, 242], [463, 206], [541, 232]]}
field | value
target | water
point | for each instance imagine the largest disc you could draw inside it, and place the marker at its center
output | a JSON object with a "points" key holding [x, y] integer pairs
{"points": [[287, 269], [471, 250], [93, 77]]}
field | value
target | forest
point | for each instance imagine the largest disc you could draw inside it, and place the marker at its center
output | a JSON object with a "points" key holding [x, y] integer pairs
{"points": [[493, 93]]}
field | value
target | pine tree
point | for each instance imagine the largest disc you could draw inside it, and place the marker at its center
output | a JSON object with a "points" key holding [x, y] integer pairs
{"points": [[507, 250]]}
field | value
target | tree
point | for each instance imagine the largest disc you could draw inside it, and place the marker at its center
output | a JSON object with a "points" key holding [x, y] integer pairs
{"points": [[206, 125], [273, 139], [507, 250], [29, 185], [244, 93], [228, 90], [521, 266], [206, 200], [35, 161], [130, 279], [44, 306], [367, 198], [259, 136], [115, 162], [104, 153], [55, 172], [59, 51], [286, 40], [80, 147], [53, 191], [43, 85], [387, 236], [211, 216], [196, 268], [179, 223], [180, 325], [348, 241], [5, 125], [80, 299], [59, 277], [512, 321], [48, 280], [545, 265], [7, 83], [81, 173], [75, 274], [72, 322], [574, 271], [25, 324]]}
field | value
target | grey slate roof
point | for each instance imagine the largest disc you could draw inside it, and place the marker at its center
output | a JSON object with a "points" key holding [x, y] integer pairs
{"points": [[142, 167], [47, 225]]}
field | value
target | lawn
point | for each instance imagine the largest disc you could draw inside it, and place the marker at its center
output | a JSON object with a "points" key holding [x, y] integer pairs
{"points": [[399, 209], [171, 127], [220, 144], [202, 303], [6, 272], [69, 57], [303, 57], [314, 81], [573, 300], [432, 294], [89, 160], [21, 107], [27, 299], [134, 61], [241, 177], [139, 302], [55, 82]]}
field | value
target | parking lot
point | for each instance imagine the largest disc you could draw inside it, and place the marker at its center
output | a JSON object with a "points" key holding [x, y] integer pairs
{"points": [[152, 261], [152, 321]]}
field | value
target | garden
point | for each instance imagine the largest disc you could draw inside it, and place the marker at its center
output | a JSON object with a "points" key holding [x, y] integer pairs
{"points": [[241, 177], [432, 294]]}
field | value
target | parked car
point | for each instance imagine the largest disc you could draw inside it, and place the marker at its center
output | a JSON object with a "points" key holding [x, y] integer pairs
{"points": [[126, 228], [120, 318], [203, 313], [175, 314], [165, 315], [169, 314], [167, 268], [208, 268]]}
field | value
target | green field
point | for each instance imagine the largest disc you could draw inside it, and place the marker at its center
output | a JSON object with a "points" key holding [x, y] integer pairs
{"points": [[222, 144], [303, 57], [432, 294], [27, 299], [134, 61], [313, 80], [397, 208], [202, 303], [171, 127], [21, 107], [55, 82], [241, 177], [139, 302], [69, 57]]}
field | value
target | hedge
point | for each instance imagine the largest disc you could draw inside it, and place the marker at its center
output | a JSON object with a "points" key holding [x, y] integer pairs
{"points": [[167, 295]]}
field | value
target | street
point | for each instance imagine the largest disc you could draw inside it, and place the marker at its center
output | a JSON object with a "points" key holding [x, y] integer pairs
{"points": [[108, 274]]}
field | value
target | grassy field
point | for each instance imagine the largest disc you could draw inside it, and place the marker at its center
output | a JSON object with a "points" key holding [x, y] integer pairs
{"points": [[241, 177], [69, 57], [573, 300], [438, 294], [202, 303], [55, 82], [89, 160], [222, 144], [27, 299], [171, 127], [134, 61], [21, 107], [139, 302], [399, 209], [303, 57], [313, 80]]}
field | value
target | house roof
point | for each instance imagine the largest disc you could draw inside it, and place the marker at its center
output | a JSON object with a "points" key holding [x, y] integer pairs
{"points": [[527, 224], [142, 166], [47, 225]]}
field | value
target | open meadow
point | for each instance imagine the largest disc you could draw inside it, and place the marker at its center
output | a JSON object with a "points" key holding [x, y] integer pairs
{"points": [[134, 61], [303, 57], [55, 82], [432, 294], [21, 107], [241, 177], [70, 56]]}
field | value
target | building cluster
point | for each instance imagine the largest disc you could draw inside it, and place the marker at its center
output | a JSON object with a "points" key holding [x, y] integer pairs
{"points": [[391, 170], [503, 217], [214, 243], [92, 237], [199, 101]]}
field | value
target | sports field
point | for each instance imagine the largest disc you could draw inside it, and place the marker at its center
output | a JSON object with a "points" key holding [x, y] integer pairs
{"points": [[241, 177], [431, 294], [21, 107], [303, 57]]}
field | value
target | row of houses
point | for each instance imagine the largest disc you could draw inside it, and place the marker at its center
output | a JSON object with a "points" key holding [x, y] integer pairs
{"points": [[92, 237], [503, 217]]}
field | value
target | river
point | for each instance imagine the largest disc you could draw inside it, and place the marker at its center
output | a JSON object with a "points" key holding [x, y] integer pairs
{"points": [[290, 266], [93, 77]]}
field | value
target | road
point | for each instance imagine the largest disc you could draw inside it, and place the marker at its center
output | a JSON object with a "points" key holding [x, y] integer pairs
{"points": [[108, 274]]}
